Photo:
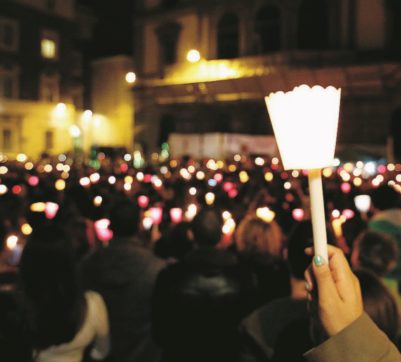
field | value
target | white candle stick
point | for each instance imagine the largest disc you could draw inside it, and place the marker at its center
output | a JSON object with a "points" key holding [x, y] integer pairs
{"points": [[318, 215]]}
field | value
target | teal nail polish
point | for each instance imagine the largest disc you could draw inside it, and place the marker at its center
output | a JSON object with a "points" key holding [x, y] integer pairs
{"points": [[318, 260]]}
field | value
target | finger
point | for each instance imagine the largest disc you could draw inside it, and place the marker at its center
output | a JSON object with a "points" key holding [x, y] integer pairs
{"points": [[341, 272], [308, 280], [326, 286]]}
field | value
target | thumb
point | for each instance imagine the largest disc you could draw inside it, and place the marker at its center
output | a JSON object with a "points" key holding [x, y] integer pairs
{"points": [[326, 287]]}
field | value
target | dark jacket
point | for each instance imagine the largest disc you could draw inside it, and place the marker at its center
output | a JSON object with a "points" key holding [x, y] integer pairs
{"points": [[124, 274], [198, 305]]}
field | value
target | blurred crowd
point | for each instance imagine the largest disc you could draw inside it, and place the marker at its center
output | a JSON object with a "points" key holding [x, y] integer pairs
{"points": [[184, 260]]}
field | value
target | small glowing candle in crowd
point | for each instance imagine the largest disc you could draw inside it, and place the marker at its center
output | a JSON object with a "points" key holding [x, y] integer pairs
{"points": [[185, 174], [60, 167], [59, 185], [298, 214], [3, 189], [209, 198], [200, 175], [112, 180], [33, 180], [127, 187], [11, 242], [269, 176], [335, 214], [3, 170], [26, 229], [140, 176], [157, 183], [227, 186], [295, 173], [228, 227], [48, 168], [102, 230], [143, 201], [156, 213], [191, 212], [391, 167], [21, 157], [97, 201], [15, 249], [127, 157], [259, 161], [357, 181], [348, 213], [327, 172], [128, 179], [212, 182], [287, 185], [84, 181], [191, 168], [226, 215], [147, 178], [51, 209], [232, 168], [94, 177], [232, 194], [38, 207], [362, 203], [29, 166], [337, 226], [243, 177], [192, 191], [265, 214], [176, 215], [147, 223], [218, 177], [16, 189], [123, 167], [345, 187], [237, 158]]}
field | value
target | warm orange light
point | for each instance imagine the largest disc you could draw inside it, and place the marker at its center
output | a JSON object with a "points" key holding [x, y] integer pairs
{"points": [[193, 56]]}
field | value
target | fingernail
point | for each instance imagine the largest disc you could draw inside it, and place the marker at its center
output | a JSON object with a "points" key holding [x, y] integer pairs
{"points": [[308, 287], [318, 260]]}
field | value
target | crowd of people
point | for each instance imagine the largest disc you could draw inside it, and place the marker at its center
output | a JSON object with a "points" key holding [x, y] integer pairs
{"points": [[188, 260]]}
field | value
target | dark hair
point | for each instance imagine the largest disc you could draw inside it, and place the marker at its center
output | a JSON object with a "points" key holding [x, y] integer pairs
{"points": [[53, 298], [300, 238], [124, 218], [379, 303], [384, 197], [376, 252], [207, 227]]}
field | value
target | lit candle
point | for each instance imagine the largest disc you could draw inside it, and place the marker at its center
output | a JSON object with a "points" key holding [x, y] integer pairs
{"points": [[176, 215], [305, 123]]}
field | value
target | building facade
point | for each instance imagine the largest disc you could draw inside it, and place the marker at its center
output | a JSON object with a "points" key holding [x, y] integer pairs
{"points": [[247, 49], [40, 67]]}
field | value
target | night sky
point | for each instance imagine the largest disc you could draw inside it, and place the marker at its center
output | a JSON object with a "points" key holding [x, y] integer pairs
{"points": [[113, 29]]}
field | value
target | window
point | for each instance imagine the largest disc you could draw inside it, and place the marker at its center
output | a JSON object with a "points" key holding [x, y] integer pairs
{"points": [[49, 88], [49, 44], [49, 138], [394, 26], [228, 36], [313, 32], [7, 140], [8, 34], [168, 38], [8, 82], [267, 30]]}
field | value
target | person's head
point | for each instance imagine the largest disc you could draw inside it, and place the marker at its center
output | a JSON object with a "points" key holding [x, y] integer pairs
{"points": [[374, 251], [255, 235], [379, 303], [207, 227], [384, 197], [299, 238], [124, 219], [50, 285]]}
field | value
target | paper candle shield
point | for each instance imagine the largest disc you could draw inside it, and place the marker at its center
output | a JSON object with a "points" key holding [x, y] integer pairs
{"points": [[305, 122]]}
